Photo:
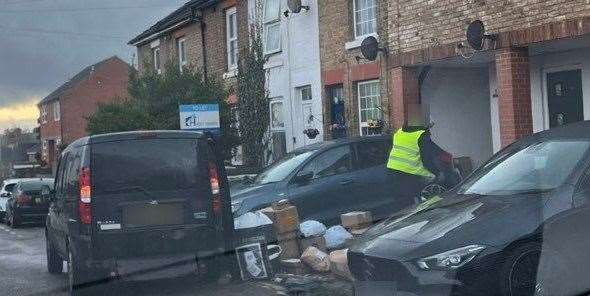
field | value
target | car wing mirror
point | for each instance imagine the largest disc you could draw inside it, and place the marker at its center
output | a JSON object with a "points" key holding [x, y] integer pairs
{"points": [[303, 178]]}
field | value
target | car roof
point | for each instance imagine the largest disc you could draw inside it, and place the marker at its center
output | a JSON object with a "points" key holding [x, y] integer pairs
{"points": [[331, 143], [10, 181], [134, 135], [580, 130]]}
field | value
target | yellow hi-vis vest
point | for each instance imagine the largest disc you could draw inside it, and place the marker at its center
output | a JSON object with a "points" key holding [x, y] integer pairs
{"points": [[405, 154]]}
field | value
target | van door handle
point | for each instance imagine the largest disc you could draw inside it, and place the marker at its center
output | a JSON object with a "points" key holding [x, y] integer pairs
{"points": [[346, 182]]}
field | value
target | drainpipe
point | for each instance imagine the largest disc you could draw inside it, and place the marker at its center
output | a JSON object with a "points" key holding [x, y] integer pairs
{"points": [[196, 18]]}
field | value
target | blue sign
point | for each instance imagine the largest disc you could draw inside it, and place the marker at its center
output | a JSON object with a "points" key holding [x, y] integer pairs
{"points": [[200, 117]]}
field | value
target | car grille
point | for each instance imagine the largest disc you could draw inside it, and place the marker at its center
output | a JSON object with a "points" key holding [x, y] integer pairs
{"points": [[366, 268]]}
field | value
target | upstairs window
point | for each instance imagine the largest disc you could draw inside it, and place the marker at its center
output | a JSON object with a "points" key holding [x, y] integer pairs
{"points": [[272, 26], [365, 18], [44, 113], [181, 53], [231, 26], [156, 57], [56, 111]]}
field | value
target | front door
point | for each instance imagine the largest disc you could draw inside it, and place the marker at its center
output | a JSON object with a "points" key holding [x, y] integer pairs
{"points": [[564, 97]]}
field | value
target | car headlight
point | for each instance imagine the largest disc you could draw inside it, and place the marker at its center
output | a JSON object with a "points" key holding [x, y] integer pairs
{"points": [[235, 206], [451, 259]]}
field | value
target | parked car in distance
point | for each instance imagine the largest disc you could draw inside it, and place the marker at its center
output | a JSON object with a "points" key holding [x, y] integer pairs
{"points": [[5, 192], [138, 205], [517, 226], [327, 179], [25, 203]]}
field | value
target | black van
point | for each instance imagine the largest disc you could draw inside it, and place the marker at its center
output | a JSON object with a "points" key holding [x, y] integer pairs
{"points": [[138, 204]]}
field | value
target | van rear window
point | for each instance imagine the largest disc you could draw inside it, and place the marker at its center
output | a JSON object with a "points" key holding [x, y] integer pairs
{"points": [[150, 164]]}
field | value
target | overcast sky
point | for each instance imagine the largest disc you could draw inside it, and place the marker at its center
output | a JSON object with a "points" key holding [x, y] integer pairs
{"points": [[43, 43]]}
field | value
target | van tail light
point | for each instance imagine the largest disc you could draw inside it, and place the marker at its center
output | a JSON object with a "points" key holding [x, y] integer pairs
{"points": [[215, 189], [23, 200], [84, 210]]}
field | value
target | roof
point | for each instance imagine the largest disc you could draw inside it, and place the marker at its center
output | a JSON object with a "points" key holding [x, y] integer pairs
{"points": [[580, 130], [330, 143], [181, 14], [134, 135], [84, 74]]}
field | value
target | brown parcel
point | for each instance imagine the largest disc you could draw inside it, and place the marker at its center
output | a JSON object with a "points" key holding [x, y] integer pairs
{"points": [[317, 259], [356, 220], [289, 244], [286, 219], [339, 264], [314, 241]]}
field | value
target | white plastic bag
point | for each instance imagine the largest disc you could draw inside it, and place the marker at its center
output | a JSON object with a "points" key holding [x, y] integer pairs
{"points": [[251, 220], [312, 228], [336, 236]]}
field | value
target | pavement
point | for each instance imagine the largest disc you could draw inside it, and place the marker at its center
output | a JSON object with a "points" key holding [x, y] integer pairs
{"points": [[23, 272]]}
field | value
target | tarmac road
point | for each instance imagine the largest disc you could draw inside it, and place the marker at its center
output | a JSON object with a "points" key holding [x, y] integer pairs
{"points": [[23, 271]]}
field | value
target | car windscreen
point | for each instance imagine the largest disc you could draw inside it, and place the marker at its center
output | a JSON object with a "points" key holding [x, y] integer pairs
{"points": [[36, 185], [282, 168], [538, 167], [146, 164], [9, 187]]}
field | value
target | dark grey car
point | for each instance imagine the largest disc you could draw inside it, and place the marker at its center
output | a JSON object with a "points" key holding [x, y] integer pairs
{"points": [[327, 179]]}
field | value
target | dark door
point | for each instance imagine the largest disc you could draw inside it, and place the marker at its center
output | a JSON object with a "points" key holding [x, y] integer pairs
{"points": [[564, 96], [337, 108], [329, 192]]}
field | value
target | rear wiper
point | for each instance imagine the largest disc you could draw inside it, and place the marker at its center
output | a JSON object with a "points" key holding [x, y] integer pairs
{"points": [[131, 188]]}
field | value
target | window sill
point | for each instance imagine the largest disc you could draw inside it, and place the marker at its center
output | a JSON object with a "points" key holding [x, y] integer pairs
{"points": [[356, 43], [273, 64], [230, 74]]}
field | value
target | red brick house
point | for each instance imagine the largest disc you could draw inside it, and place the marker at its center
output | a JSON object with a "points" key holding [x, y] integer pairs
{"points": [[64, 112], [479, 100]]}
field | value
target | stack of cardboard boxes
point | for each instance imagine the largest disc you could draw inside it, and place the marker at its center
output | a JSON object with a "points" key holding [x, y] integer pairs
{"points": [[286, 224]]}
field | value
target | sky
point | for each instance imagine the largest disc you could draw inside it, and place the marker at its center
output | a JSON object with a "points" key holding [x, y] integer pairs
{"points": [[43, 43]]}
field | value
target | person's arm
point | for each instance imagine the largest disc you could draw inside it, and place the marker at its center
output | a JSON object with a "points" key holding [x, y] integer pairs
{"points": [[428, 152]]}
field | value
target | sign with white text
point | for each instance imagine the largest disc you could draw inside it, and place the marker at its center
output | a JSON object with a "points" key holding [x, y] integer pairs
{"points": [[200, 117]]}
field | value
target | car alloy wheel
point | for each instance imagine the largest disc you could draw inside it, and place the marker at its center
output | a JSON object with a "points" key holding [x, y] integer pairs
{"points": [[523, 274]]}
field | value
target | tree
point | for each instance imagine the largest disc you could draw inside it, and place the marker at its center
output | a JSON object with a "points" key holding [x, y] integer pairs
{"points": [[253, 101], [153, 104]]}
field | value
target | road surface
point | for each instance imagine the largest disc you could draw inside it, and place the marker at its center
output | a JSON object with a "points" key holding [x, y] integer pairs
{"points": [[23, 272]]}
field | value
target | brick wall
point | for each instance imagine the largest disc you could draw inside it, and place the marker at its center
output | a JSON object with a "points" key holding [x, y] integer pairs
{"points": [[418, 24], [340, 66], [108, 83]]}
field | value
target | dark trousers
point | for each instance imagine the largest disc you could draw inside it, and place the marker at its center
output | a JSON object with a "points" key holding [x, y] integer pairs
{"points": [[406, 187]]}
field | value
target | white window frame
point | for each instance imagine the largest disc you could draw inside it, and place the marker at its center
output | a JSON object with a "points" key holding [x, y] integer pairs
{"points": [[44, 113], [157, 59], [359, 98], [56, 111], [181, 52], [270, 22], [354, 10], [229, 13]]}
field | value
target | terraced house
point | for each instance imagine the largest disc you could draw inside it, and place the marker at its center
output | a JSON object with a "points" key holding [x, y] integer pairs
{"points": [[529, 74]]}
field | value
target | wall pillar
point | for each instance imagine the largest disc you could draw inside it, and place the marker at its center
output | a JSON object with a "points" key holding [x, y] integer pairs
{"points": [[514, 94], [404, 91]]}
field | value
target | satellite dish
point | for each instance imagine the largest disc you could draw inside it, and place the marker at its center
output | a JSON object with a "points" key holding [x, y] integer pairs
{"points": [[370, 48], [295, 6], [476, 34]]}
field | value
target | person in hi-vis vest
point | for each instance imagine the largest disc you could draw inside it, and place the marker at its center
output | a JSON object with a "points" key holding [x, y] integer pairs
{"points": [[412, 160]]}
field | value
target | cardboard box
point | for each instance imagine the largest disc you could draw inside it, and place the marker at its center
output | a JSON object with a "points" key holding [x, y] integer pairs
{"points": [[314, 241], [270, 213], [317, 259], [339, 264], [356, 220], [289, 243], [286, 219]]}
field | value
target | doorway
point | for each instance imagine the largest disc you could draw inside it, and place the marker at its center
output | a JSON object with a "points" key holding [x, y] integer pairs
{"points": [[564, 97]]}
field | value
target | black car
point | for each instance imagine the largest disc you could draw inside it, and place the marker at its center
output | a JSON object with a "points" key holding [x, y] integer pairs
{"points": [[136, 205], [325, 180], [519, 225], [26, 203]]}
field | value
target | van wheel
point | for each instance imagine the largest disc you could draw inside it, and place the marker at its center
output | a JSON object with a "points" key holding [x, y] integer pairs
{"points": [[519, 272], [75, 279], [209, 269], [54, 262]]}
